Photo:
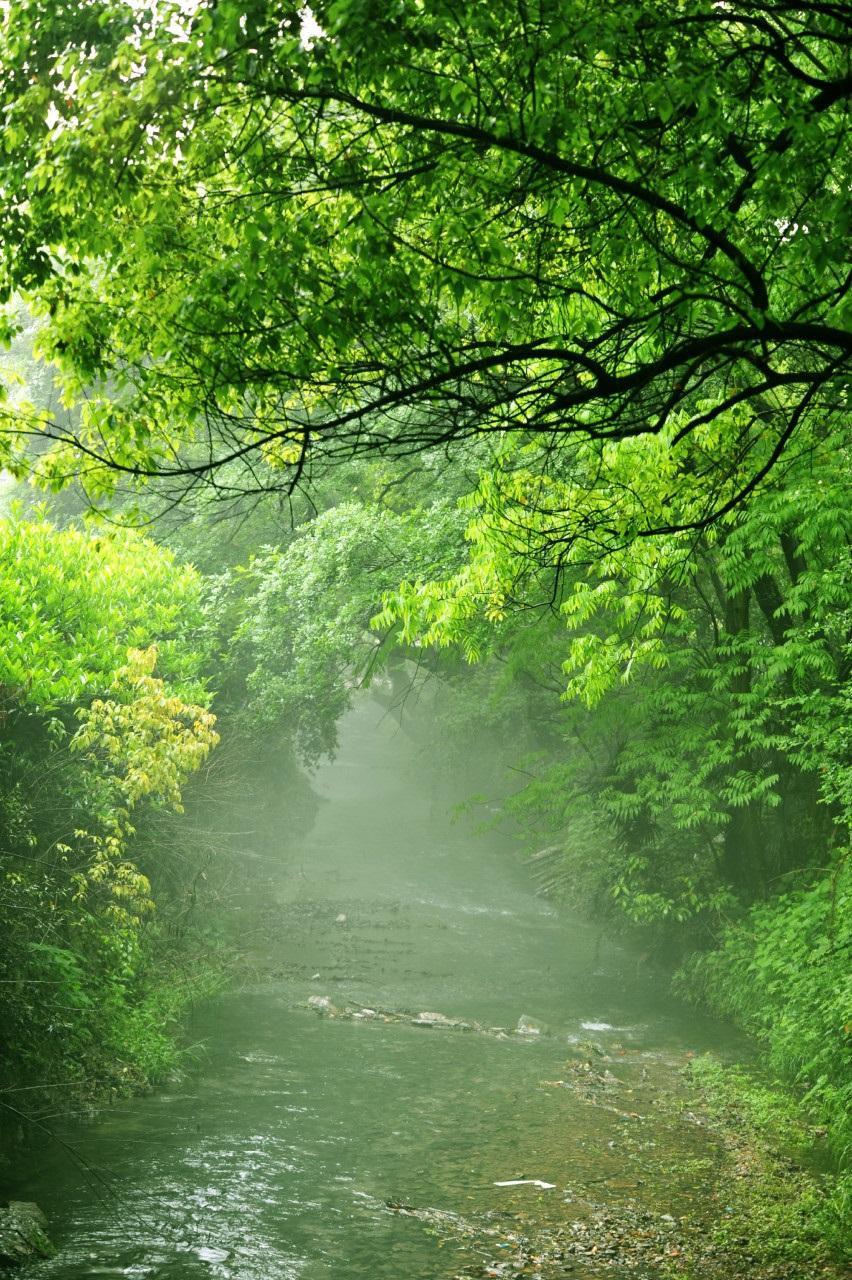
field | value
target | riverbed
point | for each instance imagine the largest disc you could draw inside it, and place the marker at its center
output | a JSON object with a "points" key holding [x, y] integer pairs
{"points": [[416, 1027]]}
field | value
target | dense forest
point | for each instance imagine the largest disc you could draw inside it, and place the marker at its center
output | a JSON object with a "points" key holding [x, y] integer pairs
{"points": [[503, 353]]}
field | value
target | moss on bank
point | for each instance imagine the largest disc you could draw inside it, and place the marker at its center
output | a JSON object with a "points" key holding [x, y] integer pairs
{"points": [[783, 973], [776, 1212]]}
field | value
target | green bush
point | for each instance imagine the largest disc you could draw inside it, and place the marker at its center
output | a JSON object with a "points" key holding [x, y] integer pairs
{"points": [[98, 657]]}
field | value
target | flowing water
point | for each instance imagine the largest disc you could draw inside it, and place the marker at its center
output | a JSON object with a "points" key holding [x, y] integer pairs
{"points": [[358, 1139]]}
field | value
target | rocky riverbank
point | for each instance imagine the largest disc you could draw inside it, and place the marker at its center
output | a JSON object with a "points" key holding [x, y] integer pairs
{"points": [[23, 1234], [759, 1203]]}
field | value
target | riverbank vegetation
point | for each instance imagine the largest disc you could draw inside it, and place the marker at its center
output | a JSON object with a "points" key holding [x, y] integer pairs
{"points": [[773, 1213], [104, 716], [505, 353]]}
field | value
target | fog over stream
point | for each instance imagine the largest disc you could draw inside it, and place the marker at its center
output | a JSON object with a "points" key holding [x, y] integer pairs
{"points": [[333, 1130]]}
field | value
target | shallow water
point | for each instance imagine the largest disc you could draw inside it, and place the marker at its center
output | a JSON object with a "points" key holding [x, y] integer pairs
{"points": [[289, 1152]]}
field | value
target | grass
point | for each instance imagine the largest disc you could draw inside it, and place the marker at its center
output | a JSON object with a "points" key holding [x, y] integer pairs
{"points": [[775, 1214]]}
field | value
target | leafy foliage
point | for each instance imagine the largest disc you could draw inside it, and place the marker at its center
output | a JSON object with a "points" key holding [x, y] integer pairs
{"points": [[699, 661], [89, 734], [72, 605], [601, 220], [295, 622], [154, 741], [784, 974]]}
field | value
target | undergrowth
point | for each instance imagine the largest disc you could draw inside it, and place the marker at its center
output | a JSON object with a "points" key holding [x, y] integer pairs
{"points": [[145, 1041], [778, 1213], [784, 974]]}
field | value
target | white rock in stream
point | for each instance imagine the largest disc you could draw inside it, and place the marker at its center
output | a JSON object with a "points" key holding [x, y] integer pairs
{"points": [[322, 1003]]}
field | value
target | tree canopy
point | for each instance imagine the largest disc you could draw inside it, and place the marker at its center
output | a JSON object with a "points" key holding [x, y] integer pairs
{"points": [[427, 222]]}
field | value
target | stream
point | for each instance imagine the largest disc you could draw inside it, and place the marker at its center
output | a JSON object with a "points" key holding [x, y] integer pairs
{"points": [[353, 1136]]}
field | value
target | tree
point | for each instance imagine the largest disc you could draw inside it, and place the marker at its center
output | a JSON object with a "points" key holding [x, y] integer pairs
{"points": [[424, 223], [715, 665], [292, 626]]}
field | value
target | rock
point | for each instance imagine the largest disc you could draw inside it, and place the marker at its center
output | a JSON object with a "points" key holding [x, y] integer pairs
{"points": [[341, 919], [23, 1234], [321, 1003], [441, 1020]]}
